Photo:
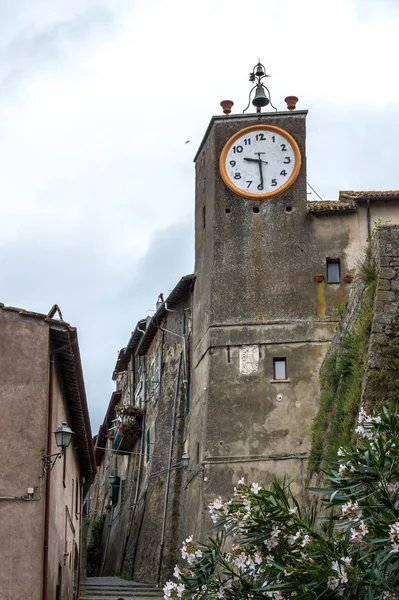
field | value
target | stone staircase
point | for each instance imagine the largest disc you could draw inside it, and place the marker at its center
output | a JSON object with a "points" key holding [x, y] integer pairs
{"points": [[114, 588]]}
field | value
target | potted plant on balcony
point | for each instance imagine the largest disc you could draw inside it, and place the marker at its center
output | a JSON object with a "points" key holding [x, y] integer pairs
{"points": [[127, 412], [130, 427]]}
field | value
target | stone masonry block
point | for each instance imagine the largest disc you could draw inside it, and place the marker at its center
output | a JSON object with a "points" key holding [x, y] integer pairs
{"points": [[385, 261], [383, 296], [387, 273], [385, 284]]}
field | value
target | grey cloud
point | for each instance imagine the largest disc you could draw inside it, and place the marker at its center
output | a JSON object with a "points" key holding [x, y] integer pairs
{"points": [[34, 47], [103, 303], [354, 148]]}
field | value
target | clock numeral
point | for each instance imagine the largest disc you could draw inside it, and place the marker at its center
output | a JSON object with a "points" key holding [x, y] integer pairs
{"points": [[249, 183], [247, 141], [283, 147], [284, 173], [233, 163], [274, 182], [287, 160], [273, 138], [260, 137], [237, 175], [237, 149], [260, 186]]}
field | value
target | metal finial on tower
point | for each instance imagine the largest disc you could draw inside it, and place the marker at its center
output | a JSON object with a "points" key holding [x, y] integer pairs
{"points": [[262, 94]]}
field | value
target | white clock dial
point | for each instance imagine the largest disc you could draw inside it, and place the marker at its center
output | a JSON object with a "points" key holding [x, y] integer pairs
{"points": [[260, 161]]}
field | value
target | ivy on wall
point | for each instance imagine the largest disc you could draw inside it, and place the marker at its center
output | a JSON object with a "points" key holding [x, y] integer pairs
{"points": [[341, 386]]}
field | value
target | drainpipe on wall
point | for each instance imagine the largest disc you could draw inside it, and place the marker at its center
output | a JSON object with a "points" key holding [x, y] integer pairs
{"points": [[172, 438], [48, 480], [82, 482]]}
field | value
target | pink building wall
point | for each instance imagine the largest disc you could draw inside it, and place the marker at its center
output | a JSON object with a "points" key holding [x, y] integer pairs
{"points": [[24, 408]]}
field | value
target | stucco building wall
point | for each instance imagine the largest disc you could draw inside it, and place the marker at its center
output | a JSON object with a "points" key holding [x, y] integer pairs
{"points": [[65, 510], [23, 403], [27, 341]]}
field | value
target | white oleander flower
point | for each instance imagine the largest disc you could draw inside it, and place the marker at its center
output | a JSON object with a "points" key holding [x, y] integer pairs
{"points": [[190, 550], [177, 572], [351, 510]]}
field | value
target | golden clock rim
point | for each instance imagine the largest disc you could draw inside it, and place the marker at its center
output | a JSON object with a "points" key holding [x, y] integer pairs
{"points": [[250, 195]]}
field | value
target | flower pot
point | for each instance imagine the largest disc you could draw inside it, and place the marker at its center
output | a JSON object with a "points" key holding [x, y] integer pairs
{"points": [[319, 277], [291, 102], [348, 278]]}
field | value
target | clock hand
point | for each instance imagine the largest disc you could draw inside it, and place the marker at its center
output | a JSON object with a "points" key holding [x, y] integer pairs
{"points": [[261, 172], [256, 160]]}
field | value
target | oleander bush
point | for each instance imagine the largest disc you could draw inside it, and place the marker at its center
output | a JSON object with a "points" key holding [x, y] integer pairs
{"points": [[265, 546]]}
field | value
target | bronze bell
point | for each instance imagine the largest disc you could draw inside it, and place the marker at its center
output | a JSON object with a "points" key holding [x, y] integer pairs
{"points": [[260, 98], [259, 70]]}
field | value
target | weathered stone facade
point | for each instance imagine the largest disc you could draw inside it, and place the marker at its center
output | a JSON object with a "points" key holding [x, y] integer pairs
{"points": [[263, 295], [252, 335], [382, 370], [153, 372]]}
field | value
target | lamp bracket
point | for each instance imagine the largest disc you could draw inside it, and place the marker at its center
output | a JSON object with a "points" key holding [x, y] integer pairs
{"points": [[49, 460]]}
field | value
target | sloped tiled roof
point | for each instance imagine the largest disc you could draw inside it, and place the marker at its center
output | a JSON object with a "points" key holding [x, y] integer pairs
{"points": [[369, 195], [179, 291], [348, 200], [329, 206]]}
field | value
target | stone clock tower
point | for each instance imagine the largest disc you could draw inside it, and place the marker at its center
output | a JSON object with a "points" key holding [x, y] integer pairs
{"points": [[260, 324]]}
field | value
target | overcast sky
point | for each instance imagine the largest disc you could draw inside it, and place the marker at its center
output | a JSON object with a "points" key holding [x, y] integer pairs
{"points": [[97, 100]]}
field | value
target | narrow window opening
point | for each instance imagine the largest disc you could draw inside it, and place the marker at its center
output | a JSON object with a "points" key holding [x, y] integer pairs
{"points": [[203, 217], [228, 354], [333, 270], [255, 209], [279, 368], [77, 498], [227, 211], [288, 208], [123, 489], [188, 400], [198, 452], [148, 442]]}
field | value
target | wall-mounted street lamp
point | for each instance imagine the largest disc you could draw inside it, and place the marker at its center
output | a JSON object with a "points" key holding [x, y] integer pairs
{"points": [[184, 461], [63, 436]]}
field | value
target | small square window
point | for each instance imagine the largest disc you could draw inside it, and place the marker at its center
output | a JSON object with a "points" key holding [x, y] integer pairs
{"points": [[279, 368], [333, 271]]}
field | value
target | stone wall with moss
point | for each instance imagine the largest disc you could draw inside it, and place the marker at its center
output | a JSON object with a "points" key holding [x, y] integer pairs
{"points": [[362, 365]]}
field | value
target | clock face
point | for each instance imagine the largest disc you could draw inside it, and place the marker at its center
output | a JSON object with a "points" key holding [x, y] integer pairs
{"points": [[259, 162]]}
